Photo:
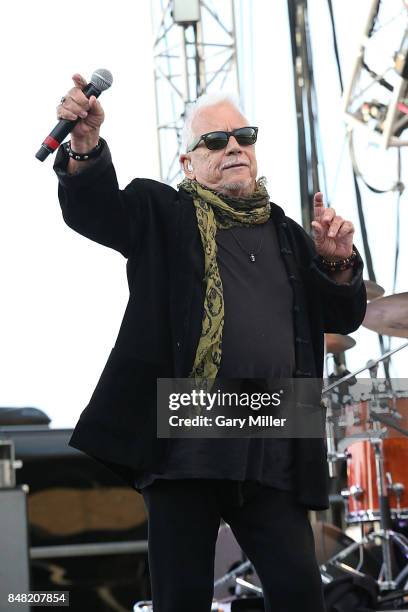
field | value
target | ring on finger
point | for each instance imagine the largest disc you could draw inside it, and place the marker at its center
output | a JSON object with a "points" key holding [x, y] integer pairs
{"points": [[63, 99]]}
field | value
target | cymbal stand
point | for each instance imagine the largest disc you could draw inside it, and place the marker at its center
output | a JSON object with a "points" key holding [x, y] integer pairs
{"points": [[333, 456], [336, 399], [384, 502], [241, 569], [235, 574]]}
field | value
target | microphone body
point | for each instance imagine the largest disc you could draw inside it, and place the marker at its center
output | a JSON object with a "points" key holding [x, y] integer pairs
{"points": [[101, 80]]}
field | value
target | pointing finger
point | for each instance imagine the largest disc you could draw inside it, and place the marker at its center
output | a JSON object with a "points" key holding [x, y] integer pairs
{"points": [[318, 199], [318, 205]]}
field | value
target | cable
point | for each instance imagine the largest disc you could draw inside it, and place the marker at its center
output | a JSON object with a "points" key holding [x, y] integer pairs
{"points": [[336, 48], [377, 77]]}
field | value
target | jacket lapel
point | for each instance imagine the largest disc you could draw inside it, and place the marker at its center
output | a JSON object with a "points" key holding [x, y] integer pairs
{"points": [[186, 268]]}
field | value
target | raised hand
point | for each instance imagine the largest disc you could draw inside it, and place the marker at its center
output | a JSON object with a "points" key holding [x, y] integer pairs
{"points": [[75, 104], [333, 235]]}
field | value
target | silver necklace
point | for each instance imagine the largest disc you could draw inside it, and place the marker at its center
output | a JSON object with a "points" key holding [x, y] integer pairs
{"points": [[252, 255]]}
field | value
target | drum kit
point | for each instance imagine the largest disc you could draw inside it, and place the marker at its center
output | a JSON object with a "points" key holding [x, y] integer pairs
{"points": [[367, 448], [368, 432]]}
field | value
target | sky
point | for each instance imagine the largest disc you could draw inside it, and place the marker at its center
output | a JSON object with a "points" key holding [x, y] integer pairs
{"points": [[63, 295]]}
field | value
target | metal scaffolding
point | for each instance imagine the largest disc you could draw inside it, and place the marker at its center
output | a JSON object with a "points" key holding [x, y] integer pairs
{"points": [[377, 95], [194, 53]]}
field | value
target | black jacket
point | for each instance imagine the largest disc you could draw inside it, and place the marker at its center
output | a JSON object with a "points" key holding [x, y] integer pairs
{"points": [[154, 227]]}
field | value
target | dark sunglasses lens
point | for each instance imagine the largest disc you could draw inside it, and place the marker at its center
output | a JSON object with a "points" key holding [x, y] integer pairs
{"points": [[216, 140], [246, 136]]}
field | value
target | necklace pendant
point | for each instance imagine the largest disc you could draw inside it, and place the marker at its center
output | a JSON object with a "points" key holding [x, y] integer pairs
{"points": [[252, 257]]}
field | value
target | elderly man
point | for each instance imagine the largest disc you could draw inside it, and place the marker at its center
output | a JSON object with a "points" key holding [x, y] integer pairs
{"points": [[222, 284]]}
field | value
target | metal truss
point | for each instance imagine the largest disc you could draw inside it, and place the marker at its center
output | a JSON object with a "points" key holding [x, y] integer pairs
{"points": [[376, 98], [310, 157], [189, 59]]}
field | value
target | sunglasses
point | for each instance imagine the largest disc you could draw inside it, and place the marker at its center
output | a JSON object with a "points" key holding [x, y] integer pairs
{"points": [[219, 140]]}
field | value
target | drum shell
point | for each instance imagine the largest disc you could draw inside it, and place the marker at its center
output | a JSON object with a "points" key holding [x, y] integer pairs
{"points": [[361, 470]]}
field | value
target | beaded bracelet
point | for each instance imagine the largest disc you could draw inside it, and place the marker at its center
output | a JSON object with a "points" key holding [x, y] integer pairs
{"points": [[342, 264], [84, 156]]}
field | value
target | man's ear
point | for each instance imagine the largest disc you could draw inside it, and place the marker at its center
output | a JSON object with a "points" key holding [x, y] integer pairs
{"points": [[187, 166]]}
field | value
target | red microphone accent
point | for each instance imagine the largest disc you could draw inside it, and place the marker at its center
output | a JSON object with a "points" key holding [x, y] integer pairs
{"points": [[52, 143]]}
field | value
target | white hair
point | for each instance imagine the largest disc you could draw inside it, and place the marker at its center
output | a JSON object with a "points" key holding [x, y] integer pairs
{"points": [[203, 101]]}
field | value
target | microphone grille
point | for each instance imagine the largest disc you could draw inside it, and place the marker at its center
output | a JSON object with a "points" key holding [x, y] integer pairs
{"points": [[102, 79]]}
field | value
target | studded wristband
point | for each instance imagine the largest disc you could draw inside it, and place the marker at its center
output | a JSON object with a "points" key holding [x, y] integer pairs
{"points": [[95, 152]]}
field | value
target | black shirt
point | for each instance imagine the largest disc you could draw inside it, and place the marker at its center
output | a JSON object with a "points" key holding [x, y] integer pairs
{"points": [[258, 342]]}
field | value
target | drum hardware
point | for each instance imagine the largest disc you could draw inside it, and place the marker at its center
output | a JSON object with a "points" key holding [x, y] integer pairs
{"points": [[252, 588], [385, 580], [376, 406], [332, 457], [355, 491], [338, 343], [398, 489], [348, 417], [326, 578], [349, 376], [338, 399], [234, 574], [390, 422]]}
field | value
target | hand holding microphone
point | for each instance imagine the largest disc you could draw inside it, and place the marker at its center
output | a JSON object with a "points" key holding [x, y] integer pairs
{"points": [[79, 113]]}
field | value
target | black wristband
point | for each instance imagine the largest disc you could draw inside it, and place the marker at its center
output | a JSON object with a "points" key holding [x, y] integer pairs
{"points": [[95, 152]]}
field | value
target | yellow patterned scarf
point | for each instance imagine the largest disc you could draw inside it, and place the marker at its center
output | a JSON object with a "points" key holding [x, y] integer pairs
{"points": [[214, 210]]}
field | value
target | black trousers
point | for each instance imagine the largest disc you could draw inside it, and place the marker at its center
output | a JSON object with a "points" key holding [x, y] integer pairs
{"points": [[271, 528]]}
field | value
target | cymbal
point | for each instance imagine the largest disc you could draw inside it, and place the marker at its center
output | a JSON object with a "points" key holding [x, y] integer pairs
{"points": [[336, 343], [388, 315], [373, 290]]}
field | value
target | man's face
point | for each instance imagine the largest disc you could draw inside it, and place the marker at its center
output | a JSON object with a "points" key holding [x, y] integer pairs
{"points": [[232, 170]]}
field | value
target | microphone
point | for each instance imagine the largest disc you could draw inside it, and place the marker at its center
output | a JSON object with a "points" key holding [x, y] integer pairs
{"points": [[101, 79]]}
